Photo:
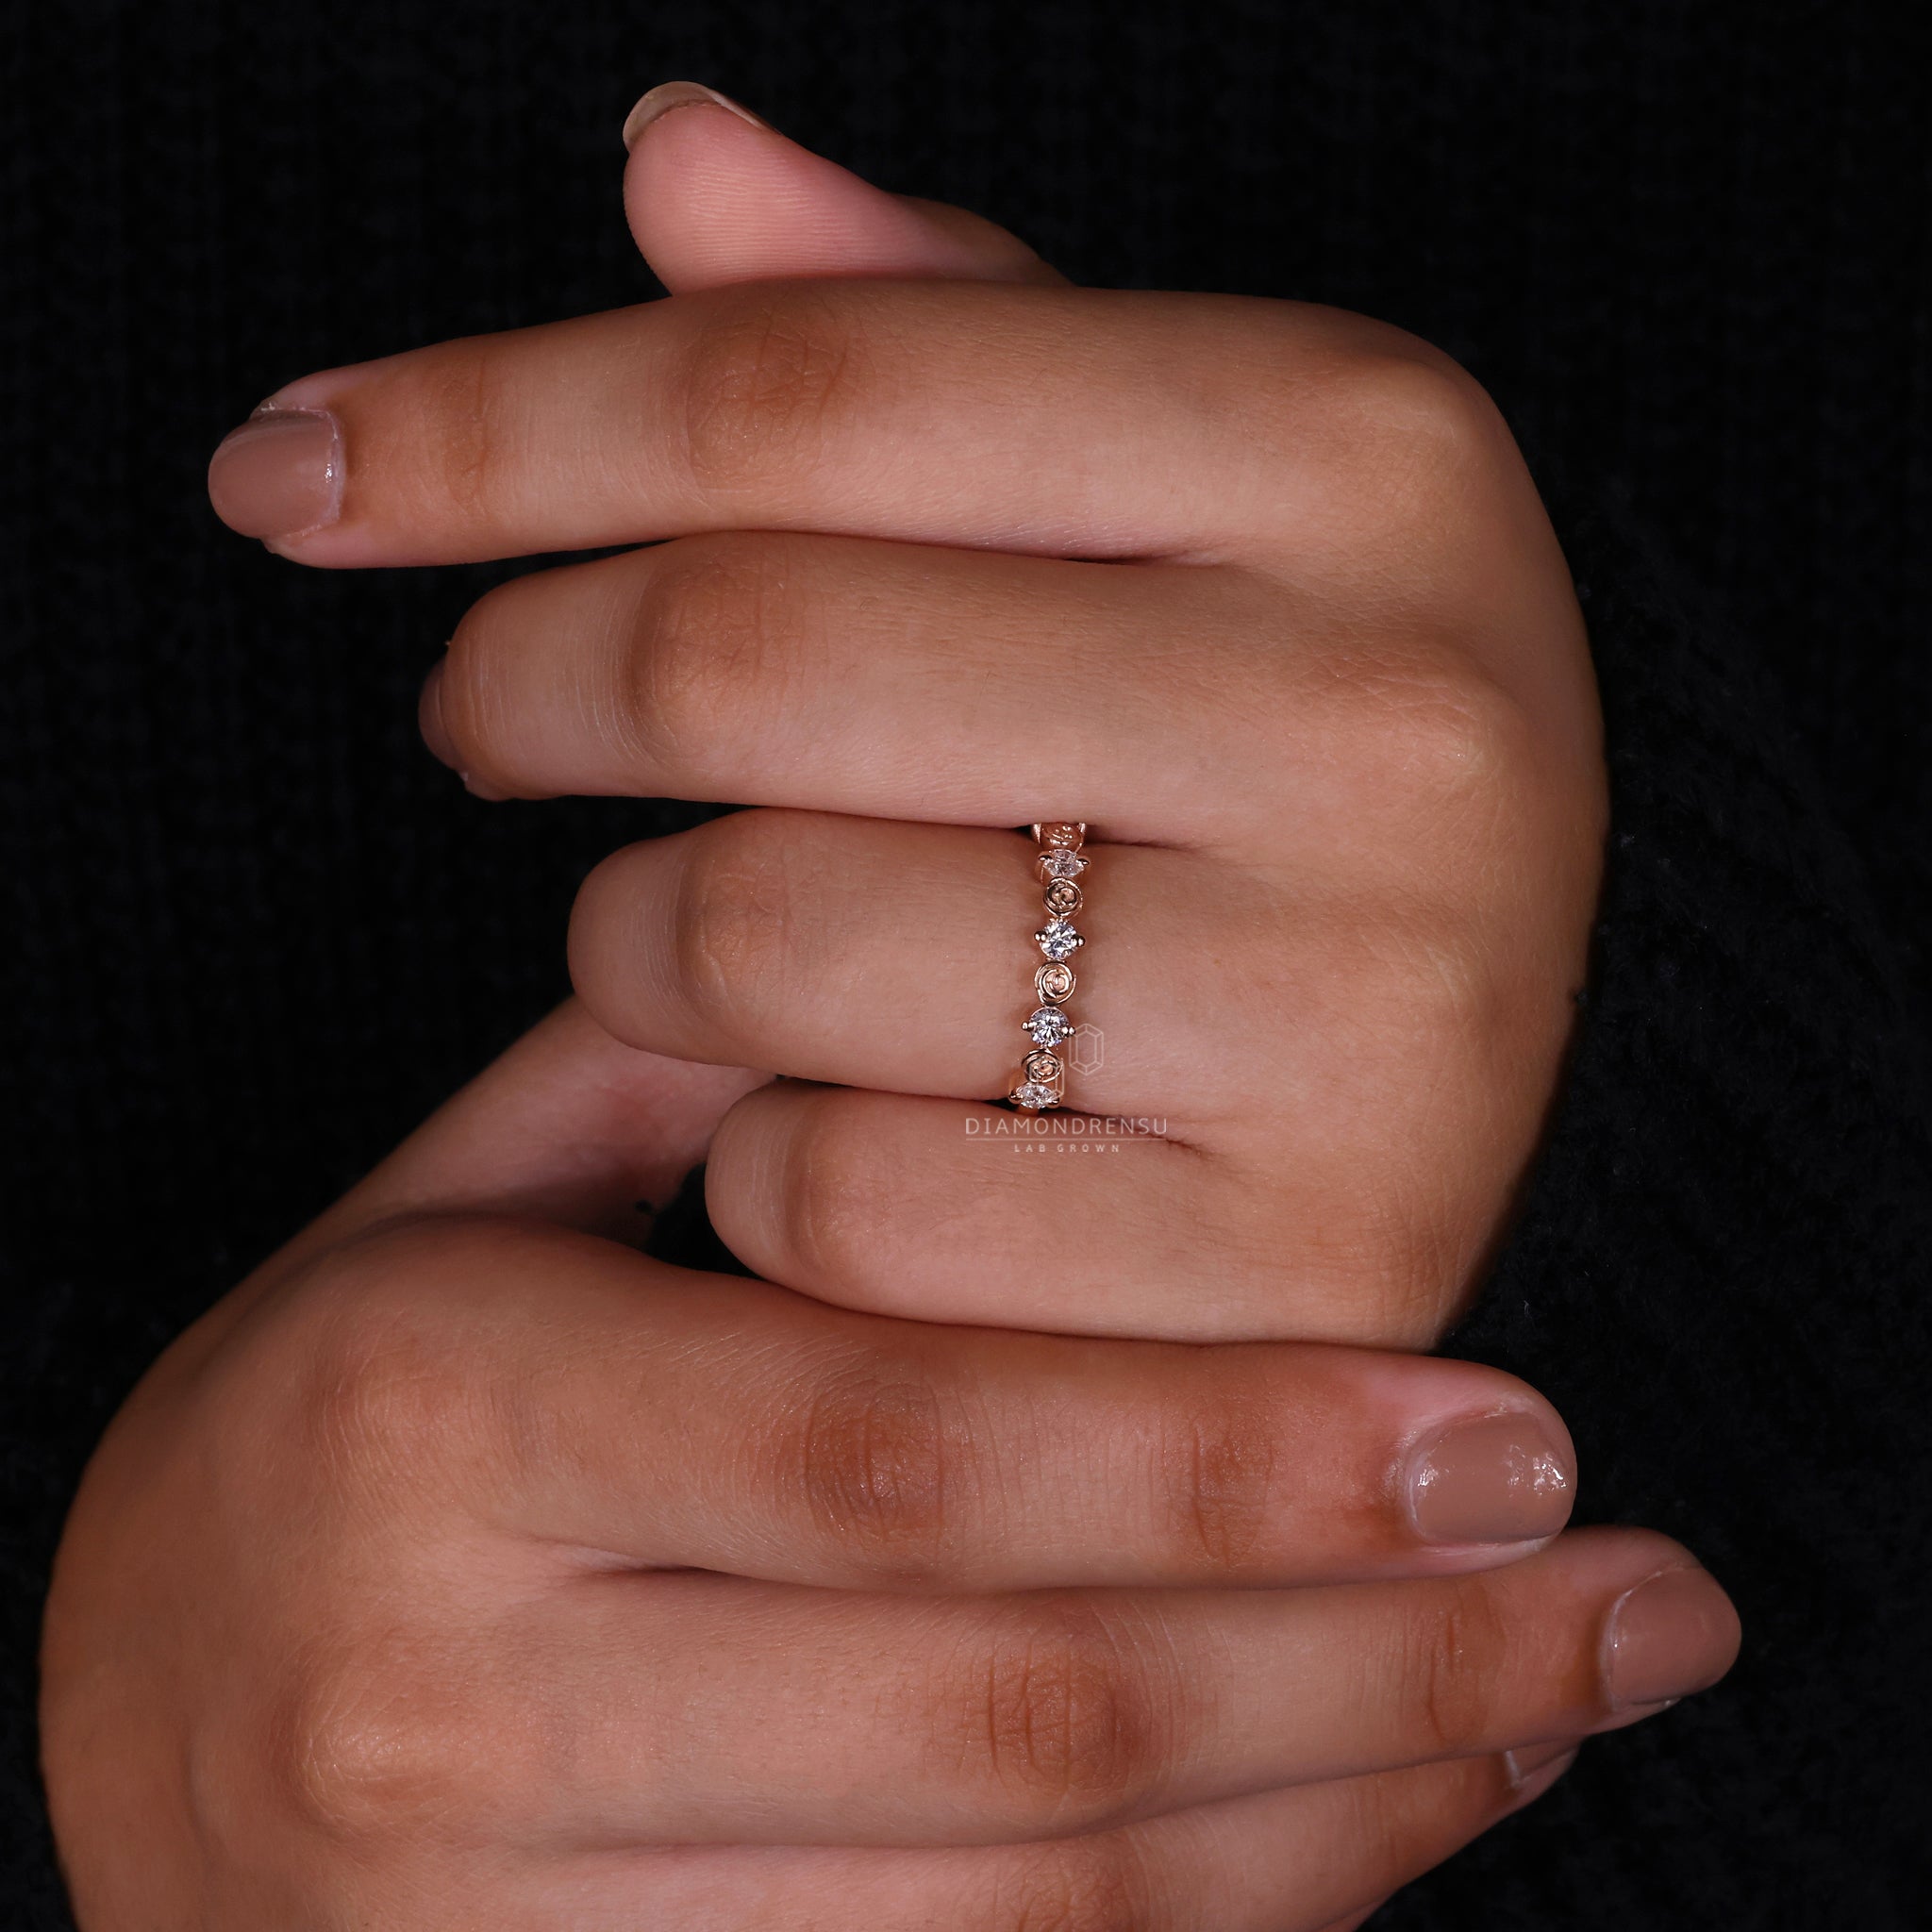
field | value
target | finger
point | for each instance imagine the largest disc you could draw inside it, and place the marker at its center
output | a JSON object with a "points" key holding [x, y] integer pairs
{"points": [[672, 1419], [1060, 421], [1018, 1717], [1280, 1861], [1082, 1222], [903, 957], [715, 195], [907, 682], [569, 1125]]}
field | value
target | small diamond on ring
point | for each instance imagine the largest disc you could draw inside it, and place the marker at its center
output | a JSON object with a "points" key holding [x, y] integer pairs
{"points": [[1048, 1025], [1057, 940]]}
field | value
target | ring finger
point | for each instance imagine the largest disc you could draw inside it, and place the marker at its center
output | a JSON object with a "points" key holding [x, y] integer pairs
{"points": [[903, 958]]}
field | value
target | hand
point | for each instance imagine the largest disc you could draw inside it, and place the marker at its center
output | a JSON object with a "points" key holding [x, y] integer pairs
{"points": [[466, 1571], [1263, 590], [847, 222]]}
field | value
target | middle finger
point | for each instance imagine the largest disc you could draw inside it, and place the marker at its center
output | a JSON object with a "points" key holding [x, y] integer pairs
{"points": [[1172, 704]]}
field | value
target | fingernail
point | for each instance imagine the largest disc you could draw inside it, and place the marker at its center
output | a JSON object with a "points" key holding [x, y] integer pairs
{"points": [[1522, 1764], [429, 717], [1529, 1780], [1499, 1479], [279, 474], [1674, 1634], [680, 93]]}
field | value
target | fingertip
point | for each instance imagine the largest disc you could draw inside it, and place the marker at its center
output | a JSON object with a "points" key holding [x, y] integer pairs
{"points": [[1676, 1633], [715, 195], [429, 717], [278, 475], [659, 101]]}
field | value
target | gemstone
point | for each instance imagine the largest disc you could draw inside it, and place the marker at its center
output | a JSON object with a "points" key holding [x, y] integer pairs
{"points": [[1035, 1096], [1057, 940], [1062, 897], [1061, 865], [1048, 1025]]}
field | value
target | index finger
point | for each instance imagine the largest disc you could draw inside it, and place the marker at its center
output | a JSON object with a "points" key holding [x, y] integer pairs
{"points": [[682, 1419], [1069, 421]]}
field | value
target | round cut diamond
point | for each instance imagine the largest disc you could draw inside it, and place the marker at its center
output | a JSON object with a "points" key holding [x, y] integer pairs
{"points": [[1061, 865], [1048, 1025], [1057, 939], [1035, 1096]]}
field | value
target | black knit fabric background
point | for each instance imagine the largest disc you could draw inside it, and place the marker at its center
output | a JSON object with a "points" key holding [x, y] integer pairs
{"points": [[252, 932]]}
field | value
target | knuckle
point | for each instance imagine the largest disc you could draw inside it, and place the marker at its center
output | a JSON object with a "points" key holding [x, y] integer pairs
{"points": [[1412, 412], [383, 1395], [1470, 738], [741, 919], [836, 1201], [1453, 1657], [373, 1746], [385, 1749], [762, 379], [1219, 1476], [387, 1386], [1060, 1711], [1429, 730], [872, 1459], [706, 647], [1089, 1885]]}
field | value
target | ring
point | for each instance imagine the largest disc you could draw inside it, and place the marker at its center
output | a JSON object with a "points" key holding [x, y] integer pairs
{"points": [[1059, 864]]}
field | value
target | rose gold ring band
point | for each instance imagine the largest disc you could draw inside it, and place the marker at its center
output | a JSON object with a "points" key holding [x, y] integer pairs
{"points": [[1059, 863]]}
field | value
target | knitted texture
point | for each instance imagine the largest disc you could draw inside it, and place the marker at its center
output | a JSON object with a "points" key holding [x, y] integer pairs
{"points": [[252, 933]]}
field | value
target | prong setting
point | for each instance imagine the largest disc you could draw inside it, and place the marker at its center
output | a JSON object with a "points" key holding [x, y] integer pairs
{"points": [[1058, 862]]}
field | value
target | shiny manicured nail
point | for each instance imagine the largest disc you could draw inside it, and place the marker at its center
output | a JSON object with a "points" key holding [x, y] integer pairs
{"points": [[1674, 1634], [1495, 1480], [680, 93], [279, 473]]}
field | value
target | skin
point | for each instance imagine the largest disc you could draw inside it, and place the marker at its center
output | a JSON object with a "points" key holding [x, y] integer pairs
{"points": [[465, 1568], [1325, 696]]}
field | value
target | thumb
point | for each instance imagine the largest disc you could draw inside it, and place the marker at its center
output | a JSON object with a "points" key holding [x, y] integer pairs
{"points": [[569, 1125], [714, 195]]}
